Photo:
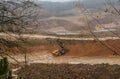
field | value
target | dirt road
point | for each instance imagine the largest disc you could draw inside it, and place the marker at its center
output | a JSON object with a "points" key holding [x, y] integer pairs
{"points": [[33, 36], [49, 58]]}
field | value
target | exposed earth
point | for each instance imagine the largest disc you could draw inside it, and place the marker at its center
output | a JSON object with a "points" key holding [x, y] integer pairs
{"points": [[87, 52], [86, 59]]}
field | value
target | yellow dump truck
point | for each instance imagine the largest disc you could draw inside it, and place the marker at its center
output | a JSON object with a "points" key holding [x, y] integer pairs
{"points": [[62, 49], [59, 52]]}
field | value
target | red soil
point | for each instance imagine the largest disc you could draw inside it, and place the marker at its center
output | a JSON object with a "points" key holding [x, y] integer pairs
{"points": [[84, 49]]}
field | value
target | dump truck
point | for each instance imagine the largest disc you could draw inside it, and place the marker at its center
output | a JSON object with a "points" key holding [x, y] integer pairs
{"points": [[62, 49]]}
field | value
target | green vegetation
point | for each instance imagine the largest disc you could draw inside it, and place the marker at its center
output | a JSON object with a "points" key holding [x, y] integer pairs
{"points": [[5, 72]]}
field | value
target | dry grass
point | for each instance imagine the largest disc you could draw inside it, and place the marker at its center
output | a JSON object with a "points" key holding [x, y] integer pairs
{"points": [[67, 71]]}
